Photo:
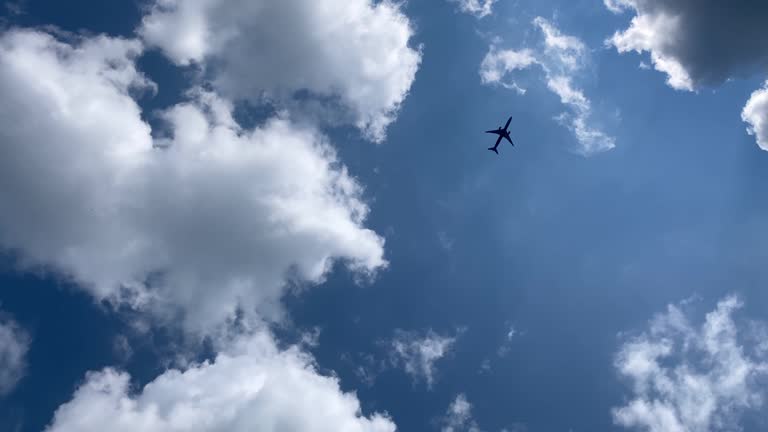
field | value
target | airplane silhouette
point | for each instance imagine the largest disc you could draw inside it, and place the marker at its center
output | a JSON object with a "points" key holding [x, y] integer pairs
{"points": [[502, 133]]}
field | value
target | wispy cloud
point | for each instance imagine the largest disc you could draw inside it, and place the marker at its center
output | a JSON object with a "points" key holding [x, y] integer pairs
{"points": [[497, 64], [14, 344], [560, 57], [458, 418], [16, 7], [445, 241], [417, 353], [506, 346], [478, 8]]}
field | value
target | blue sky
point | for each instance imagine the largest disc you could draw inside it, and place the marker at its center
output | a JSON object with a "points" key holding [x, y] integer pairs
{"points": [[234, 215]]}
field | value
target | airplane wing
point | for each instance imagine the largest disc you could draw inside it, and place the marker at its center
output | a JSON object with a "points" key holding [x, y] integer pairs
{"points": [[508, 121], [496, 131], [510, 141]]}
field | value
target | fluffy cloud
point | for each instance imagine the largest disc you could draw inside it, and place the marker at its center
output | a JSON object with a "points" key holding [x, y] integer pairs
{"points": [[14, 344], [689, 379], [755, 114], [351, 56], [701, 43], [418, 353], [478, 8], [209, 219], [696, 42], [250, 386], [560, 57], [459, 416]]}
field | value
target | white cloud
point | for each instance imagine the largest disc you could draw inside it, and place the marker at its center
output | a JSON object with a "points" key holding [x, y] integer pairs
{"points": [[506, 347], [14, 344], [310, 338], [368, 366], [592, 140], [478, 8], [499, 63], [250, 386], [645, 33], [354, 55], [566, 55], [216, 221], [694, 42], [418, 353], [690, 379], [459, 416], [755, 113], [617, 6], [568, 52], [560, 57], [562, 87]]}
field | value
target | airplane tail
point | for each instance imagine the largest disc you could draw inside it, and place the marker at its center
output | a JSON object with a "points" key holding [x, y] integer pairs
{"points": [[493, 149]]}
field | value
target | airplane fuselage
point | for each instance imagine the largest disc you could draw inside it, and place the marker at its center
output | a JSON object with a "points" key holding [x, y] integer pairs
{"points": [[503, 133]]}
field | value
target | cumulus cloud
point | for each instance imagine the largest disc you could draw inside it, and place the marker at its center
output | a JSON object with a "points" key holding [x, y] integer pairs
{"points": [[14, 344], [689, 378], [210, 219], [696, 42], [351, 56], [417, 353], [458, 418], [560, 57], [478, 8], [755, 114], [251, 385], [701, 43]]}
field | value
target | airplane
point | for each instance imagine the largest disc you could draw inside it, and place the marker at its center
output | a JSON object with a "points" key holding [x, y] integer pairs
{"points": [[502, 133]]}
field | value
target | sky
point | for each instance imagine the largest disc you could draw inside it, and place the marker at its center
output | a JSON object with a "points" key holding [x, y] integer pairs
{"points": [[238, 215]]}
